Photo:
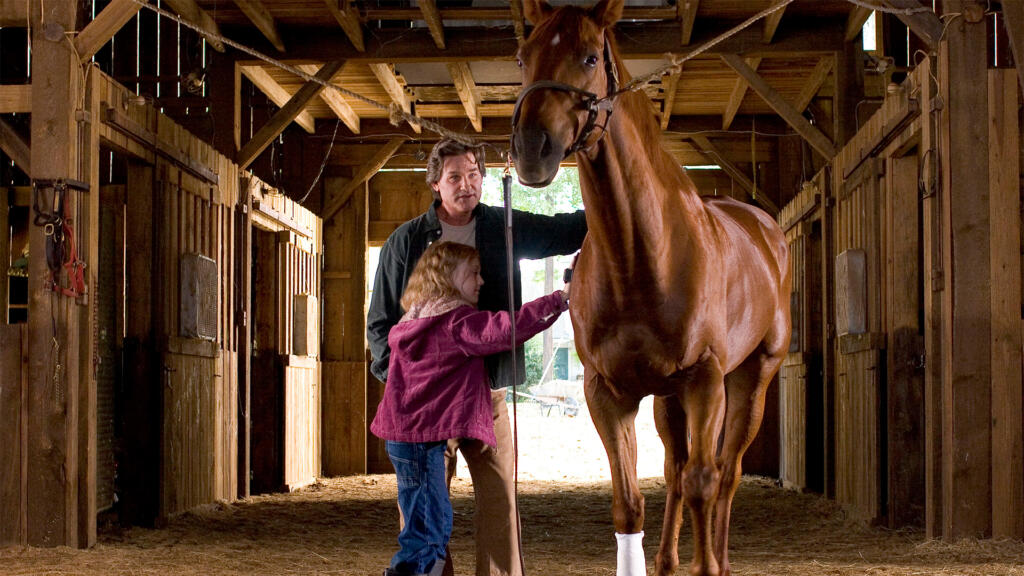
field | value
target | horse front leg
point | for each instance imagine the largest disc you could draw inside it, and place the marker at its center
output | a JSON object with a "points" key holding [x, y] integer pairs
{"points": [[614, 417], [703, 399], [670, 421]]}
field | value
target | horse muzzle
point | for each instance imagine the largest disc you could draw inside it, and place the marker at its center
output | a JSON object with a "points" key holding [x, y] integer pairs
{"points": [[536, 156]]}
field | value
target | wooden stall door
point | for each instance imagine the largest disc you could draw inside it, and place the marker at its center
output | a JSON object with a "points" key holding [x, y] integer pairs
{"points": [[267, 380], [801, 397], [860, 371]]}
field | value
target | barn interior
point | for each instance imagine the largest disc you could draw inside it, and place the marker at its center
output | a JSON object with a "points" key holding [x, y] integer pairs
{"points": [[205, 178]]}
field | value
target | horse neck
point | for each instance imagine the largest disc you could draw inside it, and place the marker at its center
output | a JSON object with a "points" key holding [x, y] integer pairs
{"points": [[636, 195]]}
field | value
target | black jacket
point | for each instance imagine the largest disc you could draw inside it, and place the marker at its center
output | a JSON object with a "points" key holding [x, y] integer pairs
{"points": [[534, 236]]}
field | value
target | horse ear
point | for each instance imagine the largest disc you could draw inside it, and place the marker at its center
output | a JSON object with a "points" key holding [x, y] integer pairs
{"points": [[606, 12], [536, 11]]}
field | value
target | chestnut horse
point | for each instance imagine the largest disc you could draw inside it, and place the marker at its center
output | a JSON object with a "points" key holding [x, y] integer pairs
{"points": [[675, 295]]}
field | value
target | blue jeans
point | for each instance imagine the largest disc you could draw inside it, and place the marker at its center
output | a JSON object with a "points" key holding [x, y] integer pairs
{"points": [[423, 499]]}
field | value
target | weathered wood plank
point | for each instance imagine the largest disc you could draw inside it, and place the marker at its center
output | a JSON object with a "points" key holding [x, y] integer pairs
{"points": [[1007, 406], [15, 98], [15, 147], [104, 26], [967, 370], [261, 18], [12, 420]]}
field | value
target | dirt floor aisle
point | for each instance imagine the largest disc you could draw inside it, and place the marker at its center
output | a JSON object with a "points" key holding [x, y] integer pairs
{"points": [[348, 526]]}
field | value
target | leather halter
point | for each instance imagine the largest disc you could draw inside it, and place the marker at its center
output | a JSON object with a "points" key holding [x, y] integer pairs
{"points": [[590, 101]]}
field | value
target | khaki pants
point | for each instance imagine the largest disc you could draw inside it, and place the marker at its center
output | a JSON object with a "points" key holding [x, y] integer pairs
{"points": [[492, 471]]}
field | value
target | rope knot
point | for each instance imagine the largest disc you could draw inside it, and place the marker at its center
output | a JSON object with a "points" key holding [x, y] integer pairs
{"points": [[395, 114]]}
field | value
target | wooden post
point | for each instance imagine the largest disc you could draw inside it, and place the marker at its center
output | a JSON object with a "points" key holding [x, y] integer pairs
{"points": [[53, 324], [1004, 174], [345, 411], [966, 297], [89, 225], [243, 321], [5, 253]]}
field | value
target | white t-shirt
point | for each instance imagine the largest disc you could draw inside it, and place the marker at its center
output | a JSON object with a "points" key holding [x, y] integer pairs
{"points": [[462, 234]]}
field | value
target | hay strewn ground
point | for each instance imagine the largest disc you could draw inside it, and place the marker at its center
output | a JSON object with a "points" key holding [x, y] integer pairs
{"points": [[348, 526]]}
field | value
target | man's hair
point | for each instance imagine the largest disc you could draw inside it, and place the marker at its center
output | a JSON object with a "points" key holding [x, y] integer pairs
{"points": [[449, 147], [431, 279]]}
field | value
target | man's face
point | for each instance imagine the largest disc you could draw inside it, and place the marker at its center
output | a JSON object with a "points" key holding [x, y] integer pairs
{"points": [[459, 186]]}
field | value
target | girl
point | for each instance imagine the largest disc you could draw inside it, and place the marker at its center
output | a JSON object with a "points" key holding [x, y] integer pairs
{"points": [[437, 389]]}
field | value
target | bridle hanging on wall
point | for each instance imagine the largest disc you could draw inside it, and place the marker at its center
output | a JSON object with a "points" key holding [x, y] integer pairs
{"points": [[61, 249]]}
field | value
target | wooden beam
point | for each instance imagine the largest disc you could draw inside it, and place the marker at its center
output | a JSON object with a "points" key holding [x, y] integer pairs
{"points": [[395, 88], [1013, 22], [925, 24], [463, 78], [966, 291], [738, 176], [813, 83], [260, 16], [739, 91], [686, 14], [283, 117], [189, 10], [104, 26], [1007, 404], [16, 148], [855, 22], [516, 7], [362, 175], [336, 102], [277, 94], [669, 87], [15, 98], [771, 22], [813, 136], [13, 14], [347, 16], [434, 22], [53, 321]]}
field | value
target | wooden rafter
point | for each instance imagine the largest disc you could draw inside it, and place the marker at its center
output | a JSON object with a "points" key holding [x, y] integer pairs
{"points": [[347, 16], [362, 175], [494, 13], [102, 28], [15, 98], [771, 22], [189, 10], [718, 157], [813, 83], [516, 7], [669, 85], [395, 88], [277, 94], [739, 92], [925, 25], [434, 23], [814, 137], [16, 148], [855, 22], [463, 78], [260, 16], [686, 14], [283, 117], [336, 102]]}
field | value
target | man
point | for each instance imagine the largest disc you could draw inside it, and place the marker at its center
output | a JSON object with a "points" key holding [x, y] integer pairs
{"points": [[455, 174]]}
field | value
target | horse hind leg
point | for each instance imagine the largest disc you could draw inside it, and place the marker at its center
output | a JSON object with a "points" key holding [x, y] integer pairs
{"points": [[670, 421], [745, 387], [614, 417]]}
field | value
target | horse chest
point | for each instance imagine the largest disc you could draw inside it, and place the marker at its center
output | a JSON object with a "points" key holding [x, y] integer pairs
{"points": [[646, 342]]}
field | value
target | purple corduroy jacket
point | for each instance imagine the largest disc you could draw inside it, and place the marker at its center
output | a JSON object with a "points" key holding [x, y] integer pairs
{"points": [[437, 384]]}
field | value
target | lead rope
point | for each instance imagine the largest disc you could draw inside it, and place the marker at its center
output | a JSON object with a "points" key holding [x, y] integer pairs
{"points": [[506, 187]]}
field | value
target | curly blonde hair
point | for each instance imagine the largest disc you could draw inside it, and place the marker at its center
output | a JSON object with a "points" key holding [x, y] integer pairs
{"points": [[431, 279]]}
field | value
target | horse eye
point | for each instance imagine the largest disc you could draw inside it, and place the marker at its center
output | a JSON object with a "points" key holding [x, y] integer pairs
{"points": [[519, 63], [591, 61]]}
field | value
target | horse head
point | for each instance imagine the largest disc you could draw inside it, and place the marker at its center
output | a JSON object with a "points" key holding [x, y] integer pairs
{"points": [[569, 74]]}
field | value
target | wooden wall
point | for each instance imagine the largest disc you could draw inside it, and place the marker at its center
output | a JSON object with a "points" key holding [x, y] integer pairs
{"points": [[13, 420]]}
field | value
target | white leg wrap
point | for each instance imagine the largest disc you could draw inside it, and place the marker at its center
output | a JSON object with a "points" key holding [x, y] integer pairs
{"points": [[631, 555]]}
